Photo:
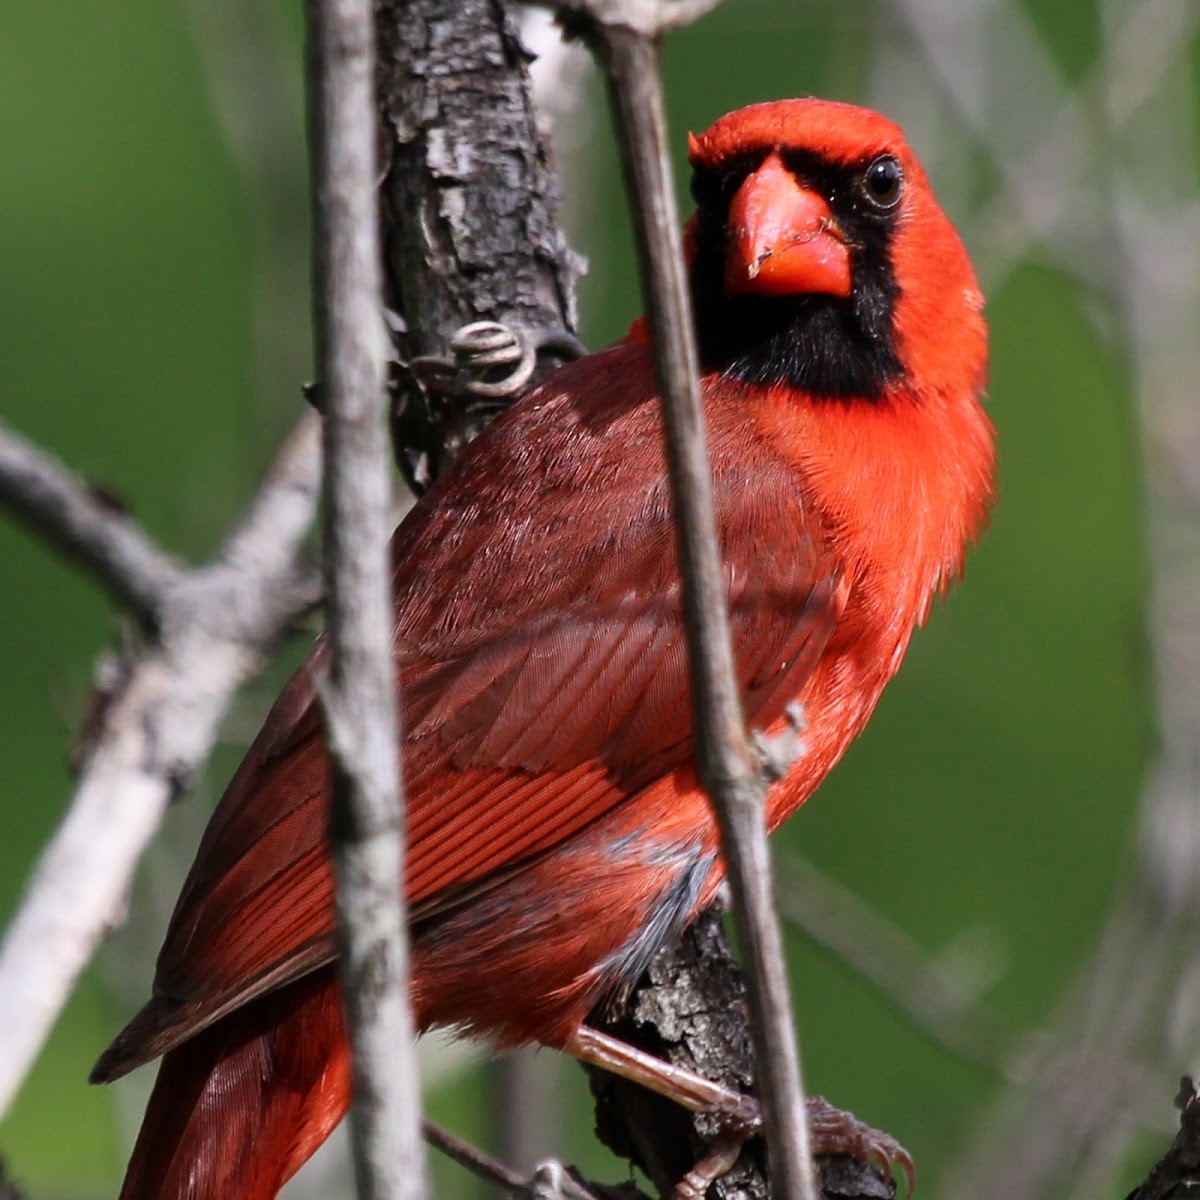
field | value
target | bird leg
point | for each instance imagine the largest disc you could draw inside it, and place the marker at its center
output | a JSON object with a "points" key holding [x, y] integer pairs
{"points": [[685, 1087], [832, 1131]]}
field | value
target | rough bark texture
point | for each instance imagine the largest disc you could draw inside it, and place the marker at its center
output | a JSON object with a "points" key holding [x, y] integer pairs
{"points": [[690, 1008], [469, 202]]}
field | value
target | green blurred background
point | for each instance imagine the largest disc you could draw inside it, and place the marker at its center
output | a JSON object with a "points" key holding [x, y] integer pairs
{"points": [[153, 333]]}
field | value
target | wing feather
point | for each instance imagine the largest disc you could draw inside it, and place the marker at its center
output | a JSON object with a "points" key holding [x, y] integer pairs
{"points": [[541, 659]]}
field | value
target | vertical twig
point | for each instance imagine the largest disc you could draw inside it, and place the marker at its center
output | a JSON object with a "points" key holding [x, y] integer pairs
{"points": [[729, 767], [524, 1100], [360, 698]]}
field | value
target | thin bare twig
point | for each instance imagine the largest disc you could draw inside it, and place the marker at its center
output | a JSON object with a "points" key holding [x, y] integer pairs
{"points": [[480, 1164], [728, 764], [549, 1178], [523, 1097], [86, 526], [366, 822]]}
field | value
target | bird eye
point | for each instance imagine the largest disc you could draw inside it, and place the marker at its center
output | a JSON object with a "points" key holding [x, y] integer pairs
{"points": [[881, 183]]}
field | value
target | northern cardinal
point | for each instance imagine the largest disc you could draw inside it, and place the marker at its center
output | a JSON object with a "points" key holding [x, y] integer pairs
{"points": [[557, 831]]}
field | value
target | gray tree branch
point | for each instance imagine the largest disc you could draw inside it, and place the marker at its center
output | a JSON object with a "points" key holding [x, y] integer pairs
{"points": [[86, 526], [157, 726], [359, 695], [469, 204]]}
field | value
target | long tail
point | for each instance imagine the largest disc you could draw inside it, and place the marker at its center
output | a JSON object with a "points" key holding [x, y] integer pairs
{"points": [[240, 1107]]}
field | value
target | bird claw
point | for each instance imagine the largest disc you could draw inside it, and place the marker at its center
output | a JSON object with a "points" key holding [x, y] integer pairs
{"points": [[831, 1130], [717, 1161], [835, 1131]]}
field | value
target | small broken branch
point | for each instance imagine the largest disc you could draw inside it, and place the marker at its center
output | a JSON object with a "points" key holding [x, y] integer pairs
{"points": [[550, 1179]]}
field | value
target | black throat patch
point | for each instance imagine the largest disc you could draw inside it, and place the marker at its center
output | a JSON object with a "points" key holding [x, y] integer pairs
{"points": [[828, 346]]}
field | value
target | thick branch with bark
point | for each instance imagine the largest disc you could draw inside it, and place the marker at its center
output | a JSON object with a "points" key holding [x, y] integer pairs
{"points": [[690, 1008], [469, 202]]}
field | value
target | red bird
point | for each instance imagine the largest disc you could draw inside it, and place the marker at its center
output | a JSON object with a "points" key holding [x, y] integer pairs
{"points": [[557, 832]]}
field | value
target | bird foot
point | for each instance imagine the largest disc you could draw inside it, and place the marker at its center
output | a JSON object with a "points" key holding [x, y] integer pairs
{"points": [[740, 1113], [834, 1131]]}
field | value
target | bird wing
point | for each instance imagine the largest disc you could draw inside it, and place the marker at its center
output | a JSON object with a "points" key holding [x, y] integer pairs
{"points": [[542, 665]]}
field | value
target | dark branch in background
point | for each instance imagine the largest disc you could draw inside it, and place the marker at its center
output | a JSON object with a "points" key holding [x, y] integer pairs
{"points": [[366, 825], [549, 1181], [1177, 1174], [8, 1189]]}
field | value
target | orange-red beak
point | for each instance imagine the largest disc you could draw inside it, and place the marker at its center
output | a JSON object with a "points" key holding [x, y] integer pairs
{"points": [[783, 238]]}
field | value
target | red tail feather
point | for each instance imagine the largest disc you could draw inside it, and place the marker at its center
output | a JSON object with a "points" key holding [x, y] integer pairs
{"points": [[239, 1108]]}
